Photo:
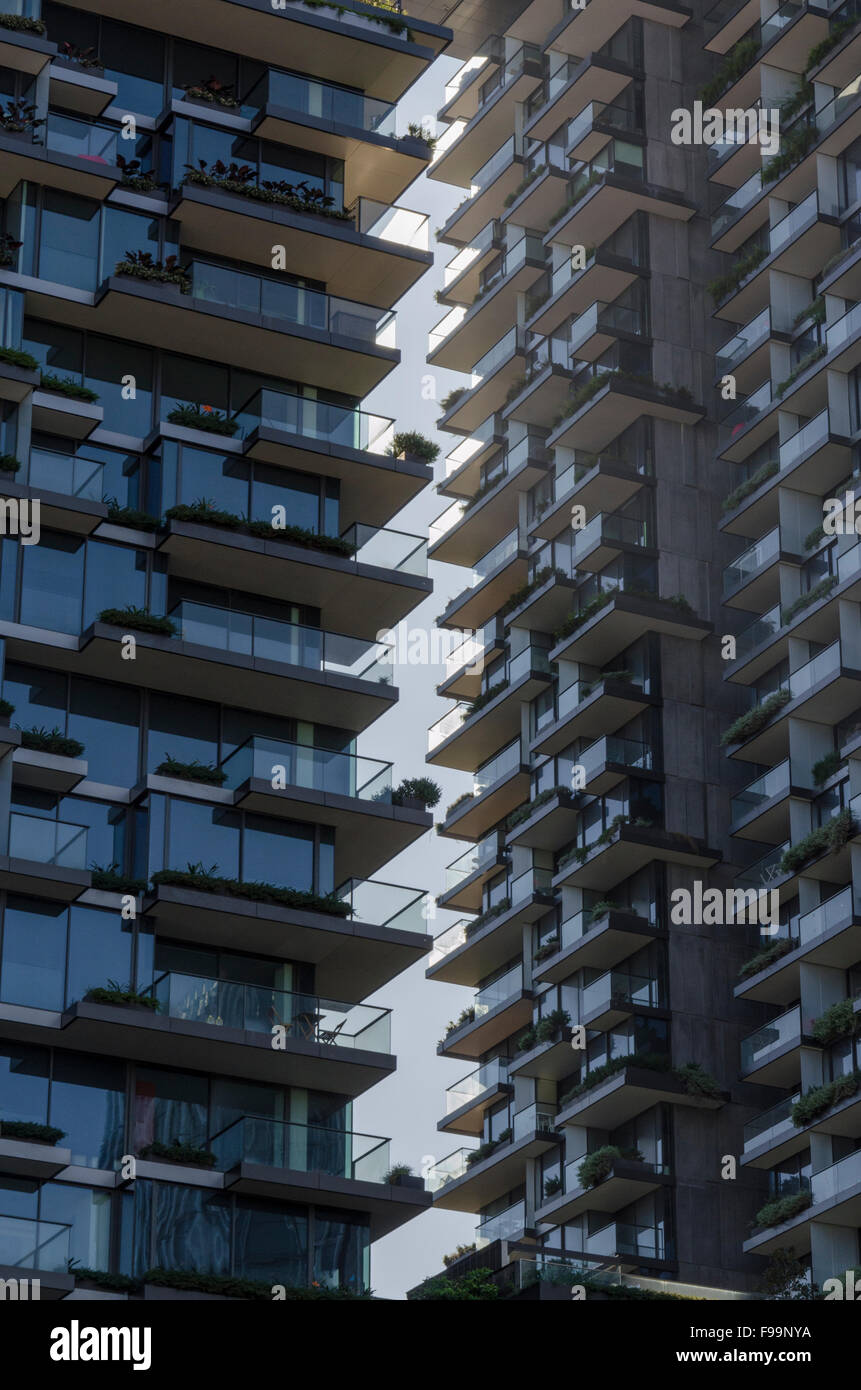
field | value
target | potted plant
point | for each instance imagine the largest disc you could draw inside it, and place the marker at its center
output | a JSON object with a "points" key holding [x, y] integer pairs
{"points": [[402, 1175], [211, 91], [81, 57], [19, 118], [134, 177], [416, 793], [9, 248]]}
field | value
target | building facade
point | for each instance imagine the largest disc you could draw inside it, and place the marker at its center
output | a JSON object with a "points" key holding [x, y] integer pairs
{"points": [[203, 241], [658, 335]]}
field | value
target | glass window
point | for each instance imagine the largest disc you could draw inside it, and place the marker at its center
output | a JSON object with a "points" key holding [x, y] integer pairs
{"points": [[57, 349], [116, 577], [206, 474], [190, 1229], [33, 963], [105, 719], [39, 696], [134, 59], [186, 379], [124, 231], [169, 1106], [341, 1250], [53, 575], [88, 1103], [207, 834], [108, 362], [100, 950], [270, 1242], [106, 828], [24, 1083], [278, 852], [184, 729], [88, 1212], [69, 240]]}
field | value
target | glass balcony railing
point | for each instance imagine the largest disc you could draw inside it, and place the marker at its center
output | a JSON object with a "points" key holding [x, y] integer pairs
{"points": [[448, 725], [481, 243], [257, 1009], [496, 557], [822, 667], [501, 351], [388, 222], [736, 422], [757, 632], [534, 1118], [506, 1225], [758, 1047], [761, 553], [808, 437], [771, 784], [302, 1149], [293, 644], [624, 1238], [276, 761], [387, 549], [449, 940], [493, 167], [506, 761], [491, 996], [531, 882], [628, 530], [337, 425], [840, 907], [618, 987], [740, 345], [601, 113], [838, 1180], [475, 1083], [779, 21], [446, 521], [476, 858], [57, 842], [386, 904], [88, 140], [466, 653], [285, 305], [764, 870], [789, 226], [321, 101], [736, 203], [628, 752], [449, 1169], [844, 329], [29, 1244], [771, 1122]]}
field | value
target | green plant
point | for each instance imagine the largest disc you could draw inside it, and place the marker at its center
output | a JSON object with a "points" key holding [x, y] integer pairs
{"points": [[177, 1152], [6, 709], [723, 285], [548, 948], [109, 878], [28, 1129], [756, 480], [837, 1021], [15, 357], [413, 445], [23, 24], [780, 1209], [193, 771], [116, 1283], [793, 147], [466, 1015], [417, 131], [194, 1282], [815, 312], [9, 464], [821, 50], [43, 740], [475, 1286], [115, 993], [459, 1253], [526, 1041], [599, 910], [201, 417], [19, 117], [488, 915], [130, 516], [464, 797], [526, 591], [453, 396], [485, 698], [696, 1080], [547, 1027], [134, 176], [524, 813], [801, 98], [292, 535], [242, 179], [140, 265], [785, 1278], [203, 880], [804, 600], [552, 1186], [755, 719], [814, 537], [584, 614], [737, 61], [821, 1098], [212, 90], [398, 1170], [825, 767], [417, 789], [651, 1061], [763, 959], [66, 386], [831, 836], [598, 1165], [139, 620], [806, 361]]}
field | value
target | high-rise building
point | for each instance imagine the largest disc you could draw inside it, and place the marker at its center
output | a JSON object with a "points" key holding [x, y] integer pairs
{"points": [[202, 244], [658, 706]]}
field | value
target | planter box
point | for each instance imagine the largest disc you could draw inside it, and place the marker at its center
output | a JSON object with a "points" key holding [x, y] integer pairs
{"points": [[409, 1181]]}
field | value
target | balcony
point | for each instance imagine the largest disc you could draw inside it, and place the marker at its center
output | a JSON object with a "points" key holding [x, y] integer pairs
{"points": [[496, 180], [499, 786], [761, 810], [628, 1093], [619, 621], [601, 414], [353, 446], [40, 1250], [746, 355], [627, 1181], [382, 581], [771, 1056], [752, 581], [574, 84], [459, 1185], [341, 1168], [615, 996], [824, 935], [468, 1099], [498, 1010], [605, 537], [46, 857], [499, 572], [477, 139], [622, 1244], [625, 849], [547, 822], [466, 876], [596, 943], [772, 1137], [467, 529], [602, 199], [24, 52], [471, 950], [69, 154], [590, 709], [351, 793], [382, 931], [331, 1045], [464, 740], [460, 338], [492, 377], [610, 759]]}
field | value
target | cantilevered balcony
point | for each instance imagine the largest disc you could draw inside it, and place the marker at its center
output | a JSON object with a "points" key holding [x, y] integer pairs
{"points": [[459, 339], [509, 84], [380, 931], [309, 1163], [628, 1092], [468, 1099], [616, 995], [628, 1180], [569, 291], [761, 810], [464, 739], [591, 708], [46, 857], [31, 1249], [825, 935], [465, 530], [597, 939], [497, 1011], [771, 1055], [610, 759], [493, 375], [499, 572], [576, 84], [619, 620], [499, 786], [200, 1022], [491, 185], [472, 949], [466, 876], [459, 1184], [66, 153]]}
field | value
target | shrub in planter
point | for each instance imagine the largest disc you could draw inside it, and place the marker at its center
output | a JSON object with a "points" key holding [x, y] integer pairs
{"points": [[756, 480], [837, 1021], [588, 611], [552, 1186], [193, 771], [487, 916], [177, 1152], [202, 880], [110, 879], [16, 357], [130, 516], [599, 910], [650, 1061], [81, 57], [476, 1286], [547, 949], [763, 959], [831, 836], [755, 719], [803, 601], [301, 535], [459, 1253], [201, 417], [114, 993], [400, 1171], [526, 1041], [723, 285], [19, 117], [195, 1282], [548, 1026], [6, 709], [421, 789], [598, 1165], [67, 386], [138, 620], [140, 265], [453, 396], [413, 445], [51, 741], [22, 24], [526, 590], [134, 177], [781, 1209], [696, 1081], [211, 90], [101, 1279], [825, 768], [30, 1131], [821, 1098], [9, 464]]}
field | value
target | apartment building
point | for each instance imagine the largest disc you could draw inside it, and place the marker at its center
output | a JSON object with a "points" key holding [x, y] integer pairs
{"points": [[658, 348], [203, 240]]}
